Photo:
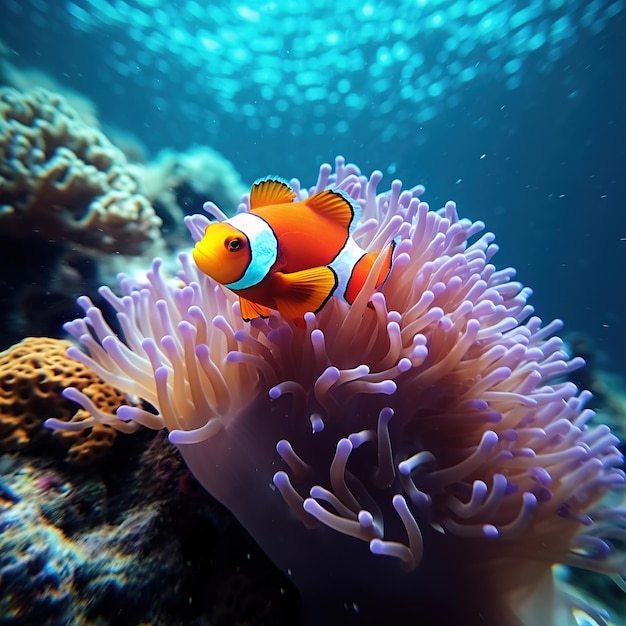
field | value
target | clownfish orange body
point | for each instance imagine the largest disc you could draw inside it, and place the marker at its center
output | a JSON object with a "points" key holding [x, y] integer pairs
{"points": [[288, 256]]}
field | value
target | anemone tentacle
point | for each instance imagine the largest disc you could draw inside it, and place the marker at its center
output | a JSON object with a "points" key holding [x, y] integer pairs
{"points": [[429, 422]]}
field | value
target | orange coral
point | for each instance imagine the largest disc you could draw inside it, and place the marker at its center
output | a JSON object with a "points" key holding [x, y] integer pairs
{"points": [[32, 375]]}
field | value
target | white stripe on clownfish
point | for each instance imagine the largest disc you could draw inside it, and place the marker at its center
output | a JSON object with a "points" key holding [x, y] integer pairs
{"points": [[343, 265], [263, 248]]}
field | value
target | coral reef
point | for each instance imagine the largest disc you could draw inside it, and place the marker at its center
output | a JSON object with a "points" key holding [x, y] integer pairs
{"points": [[63, 180], [418, 446], [32, 375], [118, 546], [36, 569], [68, 198]]}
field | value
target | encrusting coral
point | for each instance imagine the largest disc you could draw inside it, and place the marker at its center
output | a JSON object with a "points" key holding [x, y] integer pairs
{"points": [[123, 544], [416, 456], [63, 179], [32, 375]]}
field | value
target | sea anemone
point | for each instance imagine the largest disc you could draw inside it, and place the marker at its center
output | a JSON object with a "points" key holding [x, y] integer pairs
{"points": [[418, 457]]}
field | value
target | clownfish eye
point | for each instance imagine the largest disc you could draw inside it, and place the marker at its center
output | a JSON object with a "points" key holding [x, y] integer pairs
{"points": [[234, 244]]}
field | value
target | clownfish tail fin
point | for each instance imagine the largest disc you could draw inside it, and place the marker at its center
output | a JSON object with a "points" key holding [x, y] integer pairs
{"points": [[363, 267]]}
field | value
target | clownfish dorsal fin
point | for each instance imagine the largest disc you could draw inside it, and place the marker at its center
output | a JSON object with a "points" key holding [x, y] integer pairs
{"points": [[250, 310], [336, 205], [270, 190], [305, 290]]}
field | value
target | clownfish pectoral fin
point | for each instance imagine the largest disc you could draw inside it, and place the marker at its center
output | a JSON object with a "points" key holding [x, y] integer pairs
{"points": [[306, 290], [271, 190], [336, 205], [250, 310]]}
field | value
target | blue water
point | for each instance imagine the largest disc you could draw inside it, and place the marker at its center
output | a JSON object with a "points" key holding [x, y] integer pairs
{"points": [[516, 110]]}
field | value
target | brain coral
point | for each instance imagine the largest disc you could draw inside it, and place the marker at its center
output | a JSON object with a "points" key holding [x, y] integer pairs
{"points": [[64, 180], [32, 375]]}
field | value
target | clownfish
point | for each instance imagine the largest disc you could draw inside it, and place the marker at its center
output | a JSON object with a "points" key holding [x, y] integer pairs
{"points": [[289, 256]]}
